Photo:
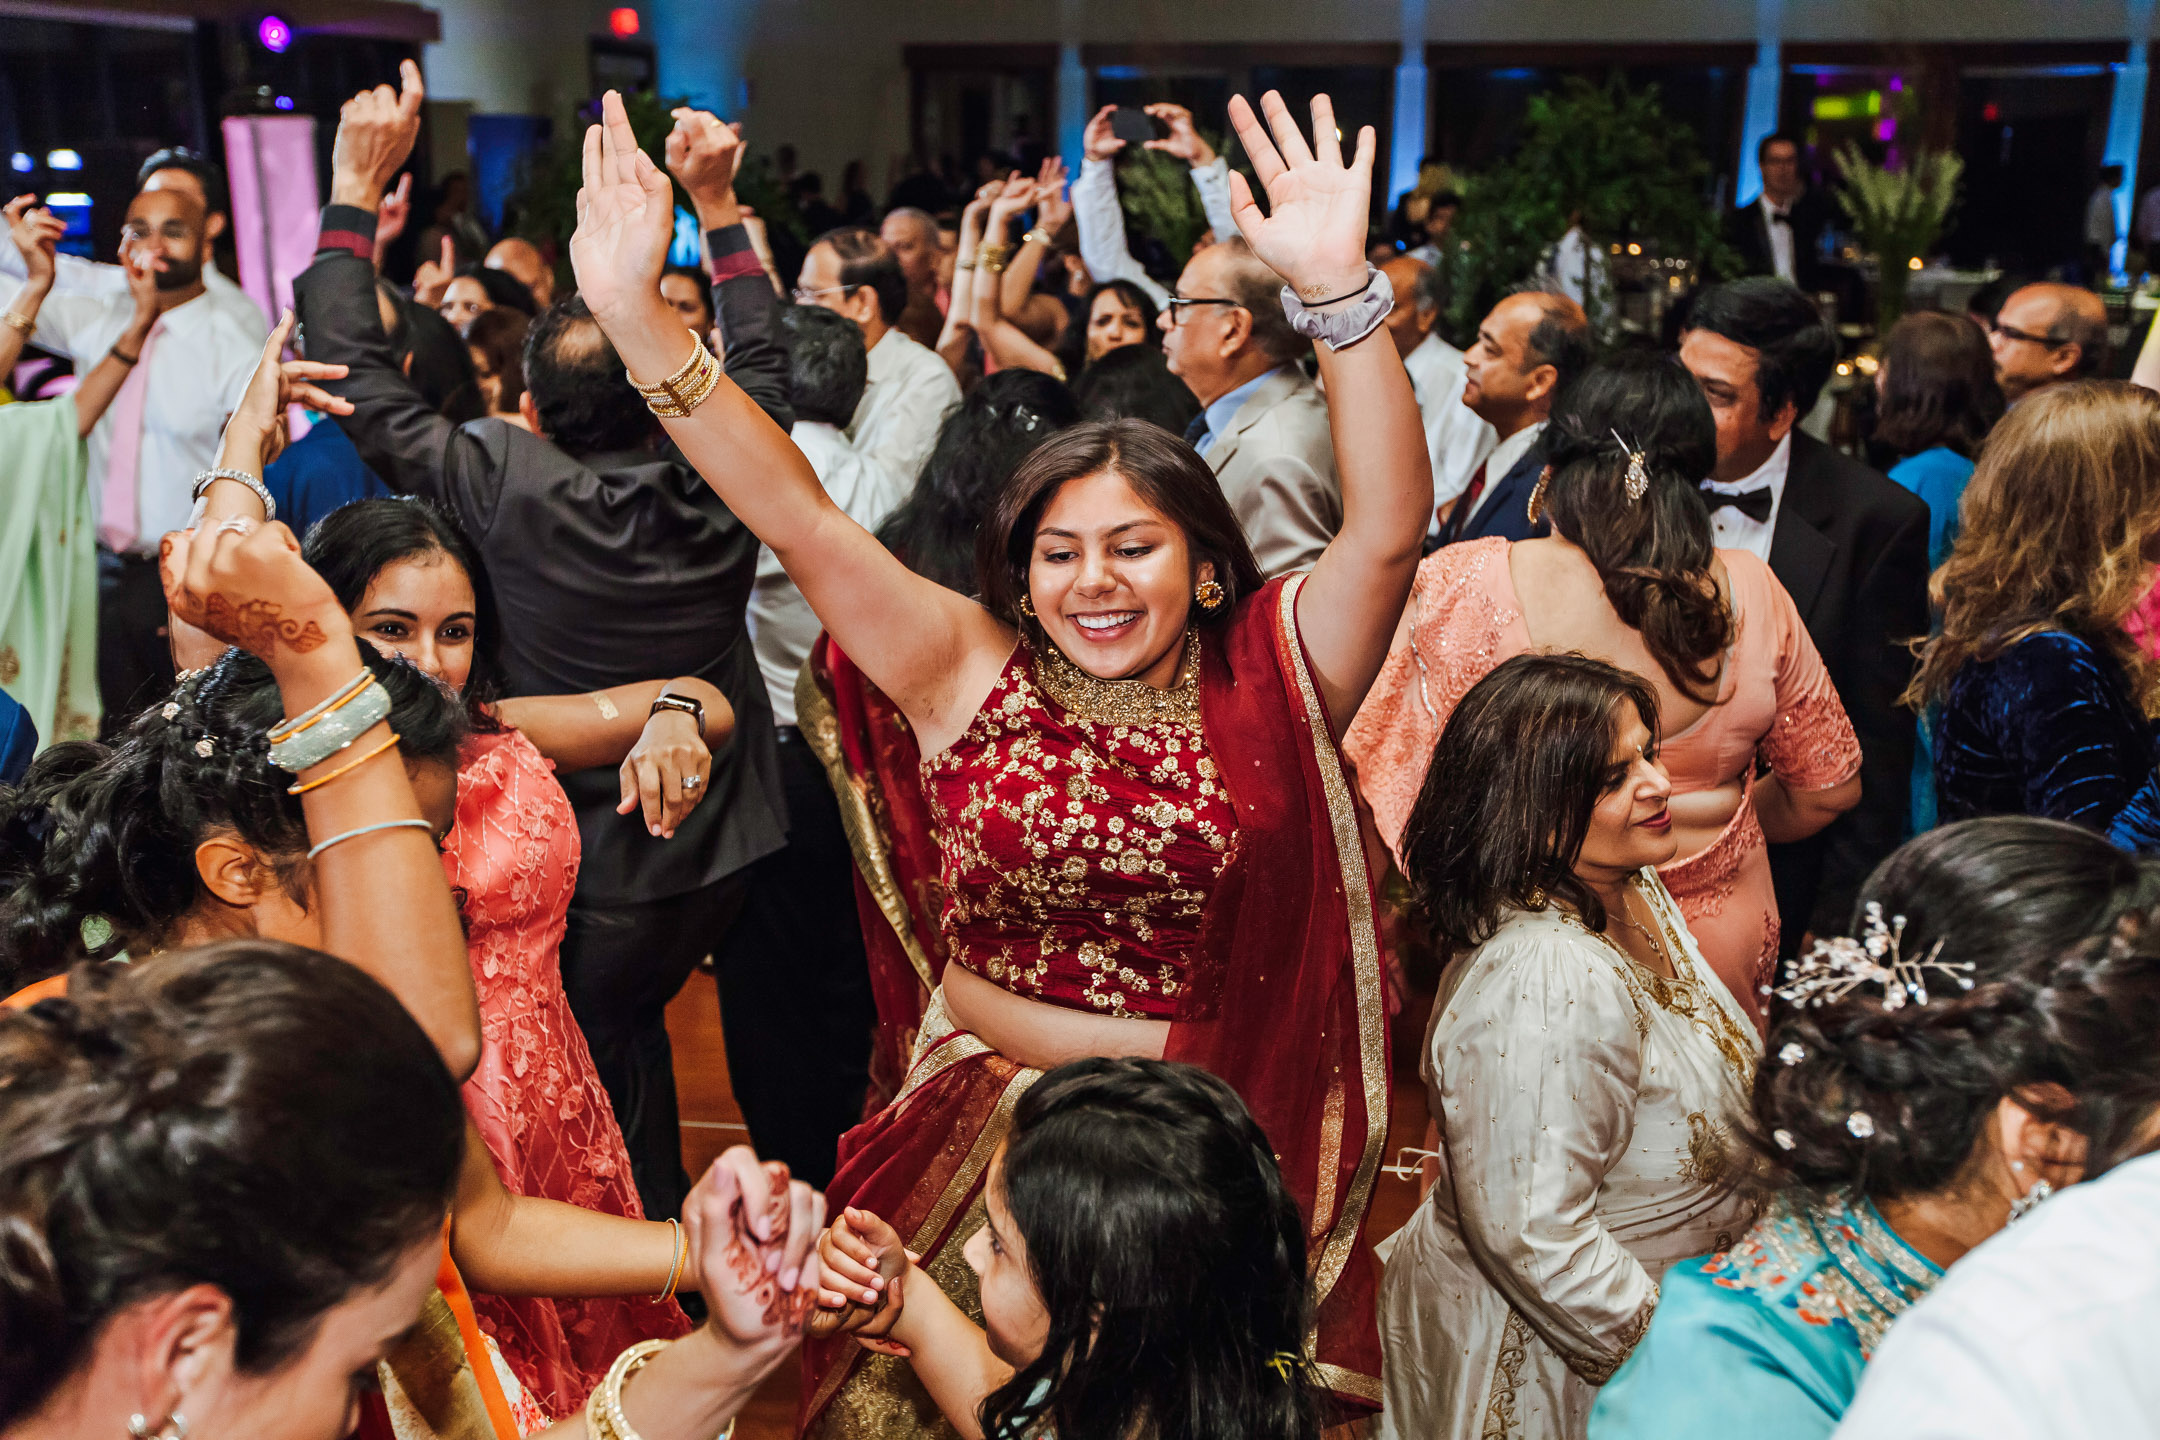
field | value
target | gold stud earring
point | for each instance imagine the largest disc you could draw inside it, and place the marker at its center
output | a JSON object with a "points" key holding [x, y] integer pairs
{"points": [[1209, 594]]}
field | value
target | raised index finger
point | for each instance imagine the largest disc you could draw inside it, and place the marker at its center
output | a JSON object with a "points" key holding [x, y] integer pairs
{"points": [[410, 90], [1259, 146]]}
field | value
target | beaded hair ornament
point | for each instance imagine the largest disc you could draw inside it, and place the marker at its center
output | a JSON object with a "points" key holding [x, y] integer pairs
{"points": [[1638, 467], [1835, 968]]}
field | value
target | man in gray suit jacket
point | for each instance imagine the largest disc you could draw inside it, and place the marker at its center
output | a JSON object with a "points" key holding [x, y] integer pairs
{"points": [[1262, 427]]}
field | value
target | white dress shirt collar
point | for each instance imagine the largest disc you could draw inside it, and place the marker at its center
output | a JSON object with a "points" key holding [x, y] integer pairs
{"points": [[1732, 530]]}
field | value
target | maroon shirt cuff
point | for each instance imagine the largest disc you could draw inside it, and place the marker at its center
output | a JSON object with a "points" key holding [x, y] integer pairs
{"points": [[348, 228], [732, 254]]}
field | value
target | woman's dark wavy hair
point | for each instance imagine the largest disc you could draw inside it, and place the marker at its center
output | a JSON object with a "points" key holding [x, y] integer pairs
{"points": [[249, 1115], [112, 833], [1507, 800], [978, 448], [1170, 1260], [2006, 895], [354, 543], [1654, 554], [1133, 382], [1161, 469]]}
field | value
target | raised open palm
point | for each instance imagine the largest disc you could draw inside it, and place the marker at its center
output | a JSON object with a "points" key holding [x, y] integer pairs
{"points": [[626, 216], [1318, 208]]}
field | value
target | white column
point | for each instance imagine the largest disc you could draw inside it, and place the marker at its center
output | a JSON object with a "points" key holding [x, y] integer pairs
{"points": [[1761, 113], [1413, 110], [2126, 123]]}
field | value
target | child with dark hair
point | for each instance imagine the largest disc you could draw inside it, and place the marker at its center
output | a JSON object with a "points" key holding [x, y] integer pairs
{"points": [[1142, 1272]]}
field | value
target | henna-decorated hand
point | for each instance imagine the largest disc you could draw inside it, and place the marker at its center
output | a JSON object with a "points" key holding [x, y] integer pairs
{"points": [[750, 1229], [862, 1269], [245, 584]]}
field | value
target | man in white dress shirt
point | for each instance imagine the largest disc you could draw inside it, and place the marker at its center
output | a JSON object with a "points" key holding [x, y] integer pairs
{"points": [[162, 430], [853, 272], [1456, 437], [798, 1032], [1100, 218]]}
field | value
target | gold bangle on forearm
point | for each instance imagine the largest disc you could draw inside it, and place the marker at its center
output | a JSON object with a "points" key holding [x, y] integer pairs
{"points": [[993, 256], [667, 1291], [16, 320], [686, 389]]}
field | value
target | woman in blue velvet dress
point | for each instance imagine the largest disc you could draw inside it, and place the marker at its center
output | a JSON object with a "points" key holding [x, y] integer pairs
{"points": [[1882, 1131], [2044, 698]]}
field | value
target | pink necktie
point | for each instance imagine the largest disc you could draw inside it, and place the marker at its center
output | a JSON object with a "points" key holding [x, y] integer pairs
{"points": [[117, 515]]}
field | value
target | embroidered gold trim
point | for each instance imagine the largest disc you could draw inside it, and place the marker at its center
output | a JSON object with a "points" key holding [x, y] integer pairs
{"points": [[1119, 702], [1598, 1371], [820, 725], [1349, 1382], [1685, 994], [1501, 1421], [1364, 953]]}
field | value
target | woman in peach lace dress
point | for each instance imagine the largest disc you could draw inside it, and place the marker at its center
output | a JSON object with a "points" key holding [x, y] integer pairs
{"points": [[1629, 576], [412, 584]]}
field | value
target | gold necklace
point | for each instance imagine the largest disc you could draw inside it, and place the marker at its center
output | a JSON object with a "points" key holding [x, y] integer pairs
{"points": [[1120, 702]]}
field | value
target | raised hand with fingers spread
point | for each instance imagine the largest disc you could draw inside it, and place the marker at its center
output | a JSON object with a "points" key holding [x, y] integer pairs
{"points": [[1313, 232]]}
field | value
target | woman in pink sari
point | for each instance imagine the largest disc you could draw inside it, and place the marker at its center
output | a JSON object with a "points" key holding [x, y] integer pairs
{"points": [[1755, 739]]}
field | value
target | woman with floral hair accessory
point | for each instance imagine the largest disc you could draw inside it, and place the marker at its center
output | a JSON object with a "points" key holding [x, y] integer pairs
{"points": [[1894, 1134], [1629, 575]]}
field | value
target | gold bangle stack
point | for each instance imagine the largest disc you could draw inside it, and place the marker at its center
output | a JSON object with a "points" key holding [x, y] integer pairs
{"points": [[16, 320], [603, 1408], [685, 390], [993, 256]]}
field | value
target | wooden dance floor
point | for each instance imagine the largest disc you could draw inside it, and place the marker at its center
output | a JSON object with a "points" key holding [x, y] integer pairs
{"points": [[711, 1123]]}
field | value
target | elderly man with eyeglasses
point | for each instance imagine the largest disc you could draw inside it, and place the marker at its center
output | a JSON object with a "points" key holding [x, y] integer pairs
{"points": [[1262, 426], [2046, 334], [853, 272]]}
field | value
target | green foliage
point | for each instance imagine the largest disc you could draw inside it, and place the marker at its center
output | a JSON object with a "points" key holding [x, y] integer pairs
{"points": [[1898, 215], [1606, 157]]}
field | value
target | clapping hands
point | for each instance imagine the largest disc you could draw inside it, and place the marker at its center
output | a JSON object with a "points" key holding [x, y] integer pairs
{"points": [[1313, 234]]}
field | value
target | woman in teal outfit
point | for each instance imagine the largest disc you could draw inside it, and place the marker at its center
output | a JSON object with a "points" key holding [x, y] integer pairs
{"points": [[1888, 1134], [1936, 401]]}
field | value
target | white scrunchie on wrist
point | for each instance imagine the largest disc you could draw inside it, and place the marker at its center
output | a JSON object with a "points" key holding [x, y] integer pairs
{"points": [[1340, 329]]}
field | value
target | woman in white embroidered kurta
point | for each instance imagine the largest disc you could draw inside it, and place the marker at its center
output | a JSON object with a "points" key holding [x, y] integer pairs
{"points": [[1582, 1096]]}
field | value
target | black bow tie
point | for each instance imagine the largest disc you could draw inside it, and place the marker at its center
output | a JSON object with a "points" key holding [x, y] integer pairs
{"points": [[1779, 217], [1755, 504]]}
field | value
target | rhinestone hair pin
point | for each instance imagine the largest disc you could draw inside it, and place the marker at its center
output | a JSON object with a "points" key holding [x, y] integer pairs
{"points": [[1835, 968], [1638, 468]]}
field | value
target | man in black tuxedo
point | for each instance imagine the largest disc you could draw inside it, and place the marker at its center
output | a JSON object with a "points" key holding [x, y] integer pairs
{"points": [[1779, 232], [1848, 544], [1529, 349]]}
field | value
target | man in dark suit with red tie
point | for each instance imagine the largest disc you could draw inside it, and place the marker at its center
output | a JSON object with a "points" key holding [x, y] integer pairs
{"points": [[1529, 350], [1850, 545]]}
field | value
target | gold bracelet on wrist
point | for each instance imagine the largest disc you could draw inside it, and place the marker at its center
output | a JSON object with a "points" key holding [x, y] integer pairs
{"points": [[16, 320], [603, 1408], [993, 256], [667, 1291], [1038, 236], [686, 389]]}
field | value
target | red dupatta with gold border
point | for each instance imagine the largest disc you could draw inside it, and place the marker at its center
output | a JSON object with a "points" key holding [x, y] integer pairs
{"points": [[1286, 1005]]}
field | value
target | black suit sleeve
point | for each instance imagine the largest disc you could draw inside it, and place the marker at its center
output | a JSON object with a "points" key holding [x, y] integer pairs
{"points": [[414, 449], [1889, 608], [748, 312]]}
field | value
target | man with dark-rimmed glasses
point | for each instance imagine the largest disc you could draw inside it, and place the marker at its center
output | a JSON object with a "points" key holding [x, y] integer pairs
{"points": [[1262, 426], [2046, 334]]}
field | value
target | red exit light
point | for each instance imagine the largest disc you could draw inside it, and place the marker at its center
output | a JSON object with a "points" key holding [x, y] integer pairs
{"points": [[623, 22]]}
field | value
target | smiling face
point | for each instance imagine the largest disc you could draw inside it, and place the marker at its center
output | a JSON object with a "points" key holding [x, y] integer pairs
{"points": [[422, 607], [1632, 824], [1111, 579], [1014, 1320]]}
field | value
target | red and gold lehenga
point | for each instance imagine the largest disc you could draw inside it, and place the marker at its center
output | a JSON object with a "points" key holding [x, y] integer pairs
{"points": [[1189, 855]]}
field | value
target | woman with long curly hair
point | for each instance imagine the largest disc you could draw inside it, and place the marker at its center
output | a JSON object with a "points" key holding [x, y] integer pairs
{"points": [[1630, 575], [2045, 698]]}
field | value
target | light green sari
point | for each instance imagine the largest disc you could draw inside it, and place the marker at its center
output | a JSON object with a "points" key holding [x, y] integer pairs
{"points": [[48, 571]]}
